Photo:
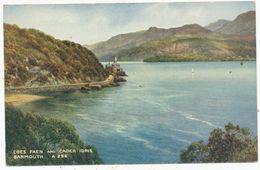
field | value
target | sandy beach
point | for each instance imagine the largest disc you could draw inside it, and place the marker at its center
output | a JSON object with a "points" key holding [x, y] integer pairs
{"points": [[17, 99]]}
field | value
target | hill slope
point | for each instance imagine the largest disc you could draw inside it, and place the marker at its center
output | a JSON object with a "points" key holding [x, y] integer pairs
{"points": [[186, 43], [193, 47], [244, 24], [33, 58], [217, 25], [126, 41]]}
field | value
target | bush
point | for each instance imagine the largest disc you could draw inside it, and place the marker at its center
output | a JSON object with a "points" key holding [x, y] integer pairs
{"points": [[30, 131], [232, 144]]}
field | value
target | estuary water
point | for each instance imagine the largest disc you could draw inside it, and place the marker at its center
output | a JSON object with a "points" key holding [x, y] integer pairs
{"points": [[159, 111]]}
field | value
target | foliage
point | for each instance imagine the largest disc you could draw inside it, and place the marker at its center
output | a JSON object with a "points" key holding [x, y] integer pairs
{"points": [[176, 58], [28, 131], [232, 144], [26, 49], [196, 47]]}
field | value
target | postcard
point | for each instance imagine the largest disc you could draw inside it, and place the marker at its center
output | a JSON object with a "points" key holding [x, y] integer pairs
{"points": [[130, 83]]}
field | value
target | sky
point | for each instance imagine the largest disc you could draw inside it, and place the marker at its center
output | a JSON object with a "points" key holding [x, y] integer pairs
{"points": [[91, 23]]}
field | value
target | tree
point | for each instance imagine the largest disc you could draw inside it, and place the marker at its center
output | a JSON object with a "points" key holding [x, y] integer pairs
{"points": [[31, 131], [232, 144], [197, 152]]}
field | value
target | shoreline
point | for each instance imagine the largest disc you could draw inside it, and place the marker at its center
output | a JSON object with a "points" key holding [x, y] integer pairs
{"points": [[20, 96], [180, 61], [17, 99], [141, 62], [108, 82]]}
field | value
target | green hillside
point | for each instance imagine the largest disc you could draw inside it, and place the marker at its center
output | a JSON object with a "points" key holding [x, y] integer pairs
{"points": [[243, 24], [193, 47], [217, 25], [104, 50], [33, 58], [220, 41]]}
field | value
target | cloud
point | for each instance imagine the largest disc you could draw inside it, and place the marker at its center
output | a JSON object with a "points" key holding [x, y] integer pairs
{"points": [[87, 23], [59, 23]]}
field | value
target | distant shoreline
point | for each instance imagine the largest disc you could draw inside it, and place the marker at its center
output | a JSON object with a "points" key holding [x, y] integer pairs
{"points": [[155, 60], [140, 62], [123, 62]]}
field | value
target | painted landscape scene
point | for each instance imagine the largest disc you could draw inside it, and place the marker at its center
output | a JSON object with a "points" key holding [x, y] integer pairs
{"points": [[130, 83]]}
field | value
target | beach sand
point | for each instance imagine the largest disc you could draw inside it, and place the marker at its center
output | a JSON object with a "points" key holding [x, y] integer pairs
{"points": [[17, 99]]}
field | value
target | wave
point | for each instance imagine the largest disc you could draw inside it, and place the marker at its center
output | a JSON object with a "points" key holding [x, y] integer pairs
{"points": [[188, 116], [118, 127], [188, 132], [191, 117], [148, 144], [182, 140], [185, 114]]}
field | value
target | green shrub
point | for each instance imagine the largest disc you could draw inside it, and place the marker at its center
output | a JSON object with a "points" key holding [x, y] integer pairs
{"points": [[232, 144], [29, 131]]}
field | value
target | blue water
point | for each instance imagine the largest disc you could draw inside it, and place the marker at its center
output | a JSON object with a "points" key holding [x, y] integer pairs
{"points": [[160, 110]]}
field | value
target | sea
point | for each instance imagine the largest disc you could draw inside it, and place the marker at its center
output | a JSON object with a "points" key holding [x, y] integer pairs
{"points": [[159, 111]]}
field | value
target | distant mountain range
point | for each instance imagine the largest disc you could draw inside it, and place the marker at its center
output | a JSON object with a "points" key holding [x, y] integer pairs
{"points": [[33, 58], [215, 26], [244, 24], [127, 41], [222, 40]]}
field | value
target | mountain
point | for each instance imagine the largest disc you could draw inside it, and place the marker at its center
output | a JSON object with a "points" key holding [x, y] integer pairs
{"points": [[244, 24], [220, 41], [33, 58], [193, 47], [106, 49], [217, 25]]}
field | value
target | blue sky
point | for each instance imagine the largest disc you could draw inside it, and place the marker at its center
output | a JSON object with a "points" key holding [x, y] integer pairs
{"points": [[90, 23]]}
